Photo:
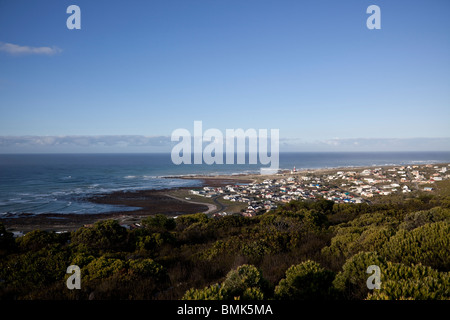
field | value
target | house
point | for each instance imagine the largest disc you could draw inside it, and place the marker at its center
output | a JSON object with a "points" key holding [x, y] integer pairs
{"points": [[17, 234]]}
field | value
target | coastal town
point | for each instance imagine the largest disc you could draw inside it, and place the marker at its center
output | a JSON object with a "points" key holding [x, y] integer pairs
{"points": [[355, 185], [249, 195]]}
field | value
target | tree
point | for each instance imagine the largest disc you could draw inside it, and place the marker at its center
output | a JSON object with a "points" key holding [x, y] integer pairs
{"points": [[351, 282], [33, 270], [103, 267], [213, 292], [159, 223], [243, 278], [427, 244], [305, 281], [36, 240], [315, 219], [189, 219], [323, 206], [146, 268], [417, 219], [103, 236], [412, 282], [244, 283]]}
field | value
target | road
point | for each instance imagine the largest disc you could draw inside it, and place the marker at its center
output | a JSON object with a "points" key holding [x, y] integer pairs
{"points": [[218, 207]]}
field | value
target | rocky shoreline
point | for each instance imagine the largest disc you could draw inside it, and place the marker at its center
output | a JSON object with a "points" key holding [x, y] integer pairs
{"points": [[146, 202]]}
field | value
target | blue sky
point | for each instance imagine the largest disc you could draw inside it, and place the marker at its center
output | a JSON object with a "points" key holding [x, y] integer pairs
{"points": [[145, 68]]}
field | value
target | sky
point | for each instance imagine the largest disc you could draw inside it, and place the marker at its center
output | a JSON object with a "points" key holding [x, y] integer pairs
{"points": [[138, 70]]}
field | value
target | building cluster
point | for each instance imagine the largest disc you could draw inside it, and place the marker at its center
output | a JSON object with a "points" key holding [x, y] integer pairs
{"points": [[340, 186], [386, 181]]}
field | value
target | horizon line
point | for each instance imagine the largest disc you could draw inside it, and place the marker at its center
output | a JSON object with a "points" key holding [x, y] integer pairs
{"points": [[168, 152]]}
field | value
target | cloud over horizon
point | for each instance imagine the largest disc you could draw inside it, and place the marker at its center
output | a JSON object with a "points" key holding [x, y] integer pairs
{"points": [[15, 49], [82, 143], [139, 143], [368, 144]]}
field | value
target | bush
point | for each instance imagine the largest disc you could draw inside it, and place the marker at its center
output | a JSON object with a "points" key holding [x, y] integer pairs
{"points": [[244, 283], [104, 236], [103, 267], [343, 245], [213, 292], [427, 244], [81, 259], [189, 219], [416, 282], [159, 223], [398, 281], [368, 232], [374, 238], [33, 269], [36, 240], [245, 276], [351, 282], [305, 281], [146, 268], [149, 241], [417, 219]]}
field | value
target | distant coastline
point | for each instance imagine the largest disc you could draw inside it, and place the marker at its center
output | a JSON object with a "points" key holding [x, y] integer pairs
{"points": [[169, 201]]}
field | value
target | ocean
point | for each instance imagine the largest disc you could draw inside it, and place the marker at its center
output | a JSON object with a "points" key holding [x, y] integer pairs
{"points": [[59, 183]]}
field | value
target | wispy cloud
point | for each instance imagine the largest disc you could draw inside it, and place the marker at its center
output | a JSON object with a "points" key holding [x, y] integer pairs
{"points": [[86, 141], [15, 49], [138, 143], [368, 144]]}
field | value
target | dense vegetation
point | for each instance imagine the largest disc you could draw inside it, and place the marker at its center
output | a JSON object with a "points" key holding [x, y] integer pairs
{"points": [[302, 250]]}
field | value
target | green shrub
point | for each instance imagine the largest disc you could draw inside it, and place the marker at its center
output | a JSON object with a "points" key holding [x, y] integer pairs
{"points": [[416, 282], [351, 282], [159, 222], [36, 240], [213, 292], [103, 267], [305, 281], [428, 244], [189, 219], [104, 236], [417, 219], [374, 238], [145, 268], [245, 276], [343, 245], [244, 283], [34, 269]]}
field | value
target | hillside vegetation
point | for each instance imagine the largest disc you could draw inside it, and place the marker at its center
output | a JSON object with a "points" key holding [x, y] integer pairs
{"points": [[302, 250]]}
